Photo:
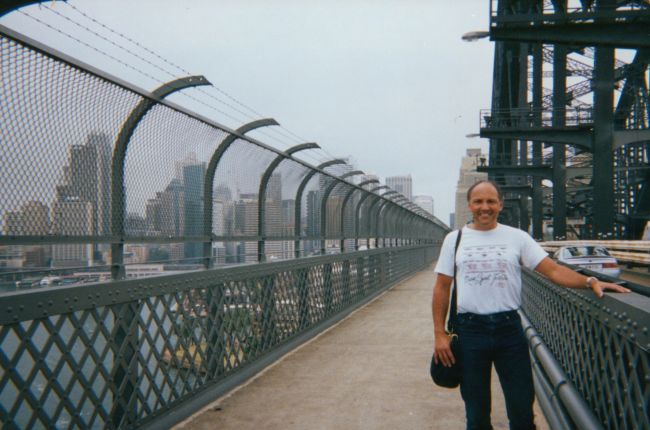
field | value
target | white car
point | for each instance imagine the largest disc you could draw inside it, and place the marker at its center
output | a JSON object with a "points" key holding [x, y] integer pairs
{"points": [[591, 257]]}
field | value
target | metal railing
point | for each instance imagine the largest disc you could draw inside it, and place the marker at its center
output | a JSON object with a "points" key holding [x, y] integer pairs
{"points": [[148, 352], [522, 118], [104, 180], [599, 361], [139, 219]]}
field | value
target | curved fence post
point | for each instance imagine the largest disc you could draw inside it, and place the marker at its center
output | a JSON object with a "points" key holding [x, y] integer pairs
{"points": [[358, 212], [379, 210], [118, 195], [261, 207], [368, 220], [393, 219], [124, 336], [344, 204], [301, 189], [209, 179], [323, 206]]}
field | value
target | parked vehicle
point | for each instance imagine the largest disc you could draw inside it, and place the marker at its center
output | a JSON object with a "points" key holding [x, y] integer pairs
{"points": [[595, 258]]}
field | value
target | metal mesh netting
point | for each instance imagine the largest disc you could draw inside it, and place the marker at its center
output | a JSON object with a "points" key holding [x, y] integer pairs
{"points": [[281, 198], [69, 134], [165, 170], [59, 125]]}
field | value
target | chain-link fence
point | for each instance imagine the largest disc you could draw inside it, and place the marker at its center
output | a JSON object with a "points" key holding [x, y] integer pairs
{"points": [[102, 180]]}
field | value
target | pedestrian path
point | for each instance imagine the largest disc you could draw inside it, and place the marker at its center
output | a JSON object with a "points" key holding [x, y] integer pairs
{"points": [[370, 371]]}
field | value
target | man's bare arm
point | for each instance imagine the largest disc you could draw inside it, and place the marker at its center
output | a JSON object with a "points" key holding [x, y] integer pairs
{"points": [[566, 277]]}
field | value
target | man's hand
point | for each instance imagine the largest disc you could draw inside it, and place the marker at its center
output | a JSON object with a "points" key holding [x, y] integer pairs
{"points": [[599, 286], [442, 352]]}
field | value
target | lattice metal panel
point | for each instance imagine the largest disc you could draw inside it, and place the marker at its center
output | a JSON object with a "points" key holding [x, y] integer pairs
{"points": [[118, 355], [603, 345]]}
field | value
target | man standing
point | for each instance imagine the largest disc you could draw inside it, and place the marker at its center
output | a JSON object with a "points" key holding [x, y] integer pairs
{"points": [[488, 262]]}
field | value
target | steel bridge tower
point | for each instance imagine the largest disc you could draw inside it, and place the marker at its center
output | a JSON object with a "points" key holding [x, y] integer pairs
{"points": [[570, 106]]}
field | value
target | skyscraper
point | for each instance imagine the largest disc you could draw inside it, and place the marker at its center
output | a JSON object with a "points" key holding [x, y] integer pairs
{"points": [[87, 178], [193, 176], [401, 184], [425, 202], [82, 206], [72, 218]]}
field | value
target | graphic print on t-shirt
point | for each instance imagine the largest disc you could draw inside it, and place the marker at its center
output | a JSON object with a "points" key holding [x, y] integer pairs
{"points": [[485, 266]]}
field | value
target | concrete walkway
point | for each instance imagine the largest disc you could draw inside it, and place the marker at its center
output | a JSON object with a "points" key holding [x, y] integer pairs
{"points": [[368, 372]]}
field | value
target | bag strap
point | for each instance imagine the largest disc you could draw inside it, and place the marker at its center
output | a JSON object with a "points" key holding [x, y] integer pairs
{"points": [[451, 322]]}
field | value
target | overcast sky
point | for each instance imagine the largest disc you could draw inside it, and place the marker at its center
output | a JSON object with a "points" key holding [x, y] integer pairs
{"points": [[388, 83]]}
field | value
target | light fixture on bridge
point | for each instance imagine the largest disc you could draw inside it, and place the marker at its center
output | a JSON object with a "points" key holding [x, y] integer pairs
{"points": [[473, 36]]}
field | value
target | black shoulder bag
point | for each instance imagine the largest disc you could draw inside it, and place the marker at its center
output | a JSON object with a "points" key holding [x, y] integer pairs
{"points": [[449, 377]]}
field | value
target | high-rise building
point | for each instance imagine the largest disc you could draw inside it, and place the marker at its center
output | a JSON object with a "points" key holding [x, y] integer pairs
{"points": [[289, 217], [425, 202], [72, 218], [33, 219], [165, 214], [246, 225], [85, 187], [401, 184], [467, 176], [86, 178], [193, 177], [312, 220]]}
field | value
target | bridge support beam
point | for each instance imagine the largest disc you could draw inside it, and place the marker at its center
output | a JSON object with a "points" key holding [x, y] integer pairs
{"points": [[603, 179]]}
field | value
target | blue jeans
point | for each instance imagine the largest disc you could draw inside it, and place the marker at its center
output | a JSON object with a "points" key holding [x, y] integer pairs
{"points": [[499, 339]]}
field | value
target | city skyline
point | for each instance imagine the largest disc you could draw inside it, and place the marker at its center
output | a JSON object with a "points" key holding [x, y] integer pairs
{"points": [[80, 206], [404, 120]]}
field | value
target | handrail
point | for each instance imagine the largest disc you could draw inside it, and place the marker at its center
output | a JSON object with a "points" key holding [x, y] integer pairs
{"points": [[561, 387]]}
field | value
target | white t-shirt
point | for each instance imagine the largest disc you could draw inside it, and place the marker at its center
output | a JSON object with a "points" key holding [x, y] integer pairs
{"points": [[488, 267]]}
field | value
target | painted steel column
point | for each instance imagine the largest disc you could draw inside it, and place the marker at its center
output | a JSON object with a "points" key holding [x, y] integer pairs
{"points": [[559, 150], [344, 204], [298, 206], [261, 207], [537, 191], [118, 194], [604, 210], [323, 207], [209, 180]]}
